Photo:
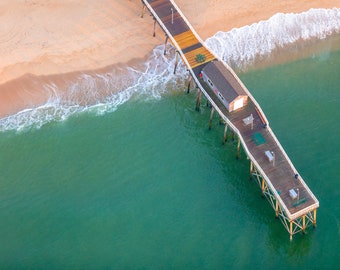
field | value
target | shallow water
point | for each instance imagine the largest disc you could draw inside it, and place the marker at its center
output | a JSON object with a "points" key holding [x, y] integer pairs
{"points": [[149, 186]]}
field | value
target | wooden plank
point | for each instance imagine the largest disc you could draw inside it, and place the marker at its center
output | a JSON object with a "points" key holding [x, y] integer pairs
{"points": [[186, 39], [156, 3], [191, 56]]}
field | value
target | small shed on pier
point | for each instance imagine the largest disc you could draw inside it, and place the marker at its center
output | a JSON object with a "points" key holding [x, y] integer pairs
{"points": [[224, 85]]}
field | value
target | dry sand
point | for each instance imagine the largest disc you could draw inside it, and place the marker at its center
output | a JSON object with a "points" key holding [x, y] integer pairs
{"points": [[45, 37]]}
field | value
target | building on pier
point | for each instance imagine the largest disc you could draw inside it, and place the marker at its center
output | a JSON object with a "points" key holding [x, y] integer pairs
{"points": [[225, 87]]}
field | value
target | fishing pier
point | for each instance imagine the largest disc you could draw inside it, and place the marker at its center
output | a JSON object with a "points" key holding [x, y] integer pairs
{"points": [[293, 202]]}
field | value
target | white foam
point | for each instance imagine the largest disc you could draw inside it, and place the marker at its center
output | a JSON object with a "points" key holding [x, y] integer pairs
{"points": [[240, 47], [101, 93]]}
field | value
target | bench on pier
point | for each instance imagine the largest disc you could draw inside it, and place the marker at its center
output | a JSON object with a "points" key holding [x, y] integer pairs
{"points": [[269, 155], [263, 121], [249, 120], [293, 194]]}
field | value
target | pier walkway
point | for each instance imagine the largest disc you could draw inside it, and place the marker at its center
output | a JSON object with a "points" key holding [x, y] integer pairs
{"points": [[293, 202]]}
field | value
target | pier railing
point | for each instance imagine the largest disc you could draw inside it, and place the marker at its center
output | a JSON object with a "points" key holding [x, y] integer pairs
{"points": [[293, 222]]}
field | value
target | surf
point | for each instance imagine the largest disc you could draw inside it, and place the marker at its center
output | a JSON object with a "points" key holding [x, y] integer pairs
{"points": [[241, 47], [103, 92]]}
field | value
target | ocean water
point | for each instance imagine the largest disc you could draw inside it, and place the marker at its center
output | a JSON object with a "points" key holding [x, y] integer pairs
{"points": [[139, 182]]}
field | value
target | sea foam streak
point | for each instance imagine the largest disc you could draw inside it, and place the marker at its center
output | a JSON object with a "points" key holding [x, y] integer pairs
{"points": [[103, 93], [240, 47]]}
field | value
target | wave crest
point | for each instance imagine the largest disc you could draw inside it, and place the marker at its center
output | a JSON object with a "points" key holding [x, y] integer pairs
{"points": [[241, 46]]}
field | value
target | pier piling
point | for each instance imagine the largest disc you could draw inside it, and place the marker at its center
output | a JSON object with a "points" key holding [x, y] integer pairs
{"points": [[198, 100], [166, 41], [211, 117], [189, 84], [143, 11], [263, 187], [176, 61], [154, 27], [238, 147], [225, 133], [276, 209], [251, 170], [220, 122]]}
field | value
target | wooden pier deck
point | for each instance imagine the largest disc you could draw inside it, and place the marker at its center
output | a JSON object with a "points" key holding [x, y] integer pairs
{"points": [[277, 177]]}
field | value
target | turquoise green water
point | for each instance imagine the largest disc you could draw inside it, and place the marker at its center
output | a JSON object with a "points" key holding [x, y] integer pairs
{"points": [[148, 186]]}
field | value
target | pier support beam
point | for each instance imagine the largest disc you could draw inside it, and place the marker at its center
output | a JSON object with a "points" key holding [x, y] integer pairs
{"points": [[189, 83], [251, 169], [238, 147], [225, 133], [143, 11], [314, 218], [232, 135], [176, 61], [276, 209], [220, 121], [198, 100], [263, 187], [211, 117], [304, 223], [166, 41], [300, 223], [154, 27]]}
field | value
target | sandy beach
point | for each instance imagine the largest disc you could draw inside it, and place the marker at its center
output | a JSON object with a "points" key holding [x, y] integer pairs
{"points": [[52, 41]]}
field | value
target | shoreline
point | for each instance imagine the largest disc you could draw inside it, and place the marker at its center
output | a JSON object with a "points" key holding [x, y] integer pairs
{"points": [[296, 51], [32, 91], [225, 15], [21, 82]]}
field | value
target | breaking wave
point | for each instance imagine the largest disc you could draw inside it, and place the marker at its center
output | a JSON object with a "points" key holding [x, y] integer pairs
{"points": [[102, 93], [105, 92], [242, 46]]}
